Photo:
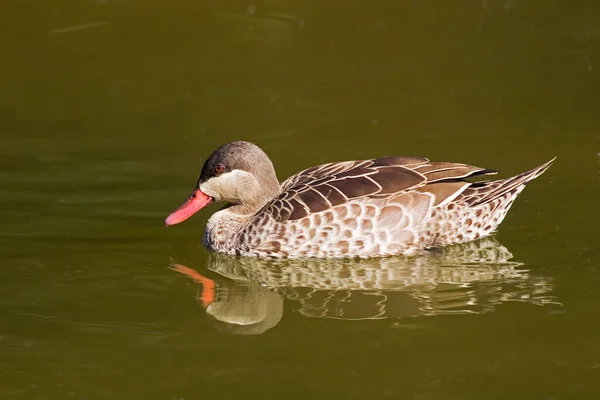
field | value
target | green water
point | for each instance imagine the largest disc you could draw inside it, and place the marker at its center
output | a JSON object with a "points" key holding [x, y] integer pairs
{"points": [[108, 110]]}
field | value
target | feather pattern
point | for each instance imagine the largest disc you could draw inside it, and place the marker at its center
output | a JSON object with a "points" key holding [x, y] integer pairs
{"points": [[363, 208], [329, 185]]}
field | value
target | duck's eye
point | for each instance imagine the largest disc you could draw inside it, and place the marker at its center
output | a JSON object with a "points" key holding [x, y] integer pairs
{"points": [[219, 168]]}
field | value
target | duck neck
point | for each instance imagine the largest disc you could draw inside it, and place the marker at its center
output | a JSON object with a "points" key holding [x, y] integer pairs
{"points": [[257, 196], [223, 228]]}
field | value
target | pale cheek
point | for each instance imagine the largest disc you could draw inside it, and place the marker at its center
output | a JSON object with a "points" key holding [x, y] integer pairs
{"points": [[209, 190], [219, 191], [232, 186]]}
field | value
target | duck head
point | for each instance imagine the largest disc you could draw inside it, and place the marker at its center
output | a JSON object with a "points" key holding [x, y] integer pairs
{"points": [[239, 173]]}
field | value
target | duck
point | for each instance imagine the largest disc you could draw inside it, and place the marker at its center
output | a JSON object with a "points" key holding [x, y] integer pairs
{"points": [[380, 207]]}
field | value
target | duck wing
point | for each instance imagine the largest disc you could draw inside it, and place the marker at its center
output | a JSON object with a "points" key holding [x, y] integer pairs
{"points": [[322, 187]]}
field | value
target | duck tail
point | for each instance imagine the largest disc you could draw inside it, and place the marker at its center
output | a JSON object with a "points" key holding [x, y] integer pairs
{"points": [[484, 192]]}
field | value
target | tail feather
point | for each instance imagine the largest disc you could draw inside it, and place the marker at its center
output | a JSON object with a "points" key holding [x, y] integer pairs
{"points": [[483, 192]]}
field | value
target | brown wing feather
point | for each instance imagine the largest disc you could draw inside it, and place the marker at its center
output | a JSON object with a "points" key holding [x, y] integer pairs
{"points": [[394, 161], [444, 191], [318, 188], [331, 169], [315, 201], [437, 171]]}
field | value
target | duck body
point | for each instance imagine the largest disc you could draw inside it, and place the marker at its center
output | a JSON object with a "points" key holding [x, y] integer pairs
{"points": [[365, 208]]}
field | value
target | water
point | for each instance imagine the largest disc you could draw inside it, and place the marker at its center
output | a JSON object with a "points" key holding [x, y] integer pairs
{"points": [[108, 110]]}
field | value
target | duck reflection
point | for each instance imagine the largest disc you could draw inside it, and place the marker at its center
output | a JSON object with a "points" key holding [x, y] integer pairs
{"points": [[247, 297]]}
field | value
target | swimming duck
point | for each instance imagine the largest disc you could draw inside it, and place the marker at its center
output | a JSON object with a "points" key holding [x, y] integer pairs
{"points": [[365, 208]]}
